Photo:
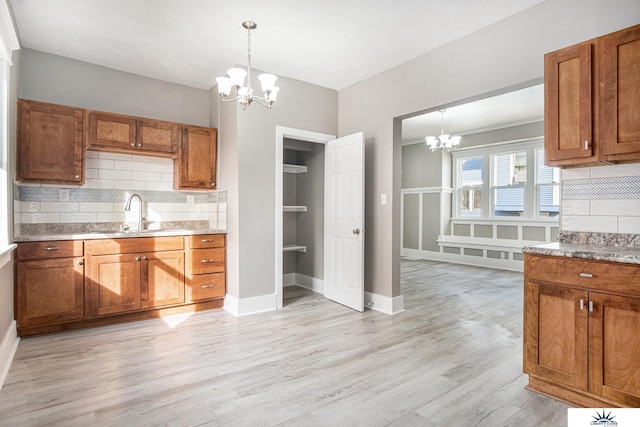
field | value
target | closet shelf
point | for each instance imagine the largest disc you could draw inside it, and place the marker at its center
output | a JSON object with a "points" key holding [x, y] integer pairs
{"points": [[294, 248], [294, 208], [293, 168]]}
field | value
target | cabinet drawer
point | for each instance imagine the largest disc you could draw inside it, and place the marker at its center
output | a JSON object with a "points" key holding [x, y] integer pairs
{"points": [[597, 275], [52, 249], [204, 261], [206, 241], [133, 245], [206, 286]]}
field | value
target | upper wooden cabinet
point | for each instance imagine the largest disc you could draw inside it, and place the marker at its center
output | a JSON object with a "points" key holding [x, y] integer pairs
{"points": [[592, 107], [50, 145], [196, 167], [119, 133]]}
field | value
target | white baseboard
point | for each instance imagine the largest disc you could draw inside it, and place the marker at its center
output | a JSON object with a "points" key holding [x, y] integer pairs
{"points": [[289, 279], [246, 306], [386, 305], [8, 349], [503, 264], [308, 282]]}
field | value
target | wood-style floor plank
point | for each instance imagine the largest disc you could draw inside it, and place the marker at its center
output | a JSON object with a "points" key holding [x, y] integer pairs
{"points": [[453, 358]]}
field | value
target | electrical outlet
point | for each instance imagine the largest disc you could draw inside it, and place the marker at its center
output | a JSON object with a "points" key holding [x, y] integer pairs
{"points": [[63, 195], [383, 199]]}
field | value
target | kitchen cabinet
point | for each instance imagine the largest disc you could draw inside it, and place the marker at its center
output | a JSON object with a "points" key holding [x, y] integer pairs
{"points": [[580, 330], [50, 143], [206, 265], [127, 134], [196, 165], [133, 274], [49, 283], [592, 112]]}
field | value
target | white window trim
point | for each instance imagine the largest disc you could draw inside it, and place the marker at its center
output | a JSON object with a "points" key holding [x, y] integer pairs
{"points": [[531, 200]]}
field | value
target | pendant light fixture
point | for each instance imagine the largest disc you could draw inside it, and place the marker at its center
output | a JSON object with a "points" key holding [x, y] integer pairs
{"points": [[235, 81], [444, 141]]}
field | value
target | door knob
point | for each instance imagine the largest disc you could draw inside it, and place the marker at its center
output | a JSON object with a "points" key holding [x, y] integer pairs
{"points": [[356, 231]]}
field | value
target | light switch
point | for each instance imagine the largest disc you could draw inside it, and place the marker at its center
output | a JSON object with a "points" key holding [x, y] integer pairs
{"points": [[383, 199]]}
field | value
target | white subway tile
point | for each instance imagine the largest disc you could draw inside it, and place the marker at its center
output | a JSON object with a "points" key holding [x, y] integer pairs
{"points": [[160, 186], [574, 207], [603, 224], [58, 207], [115, 156], [130, 166], [91, 173], [38, 217], [130, 185], [631, 169], [167, 177], [576, 173], [99, 183], [161, 207], [95, 207], [173, 216], [78, 217], [146, 176], [145, 159], [185, 207], [115, 174], [29, 184], [198, 216], [111, 217], [629, 207], [629, 224], [99, 164], [90, 154], [26, 207], [160, 167]]}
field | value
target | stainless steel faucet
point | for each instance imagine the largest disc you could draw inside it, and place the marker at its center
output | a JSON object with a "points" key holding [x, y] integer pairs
{"points": [[127, 207]]}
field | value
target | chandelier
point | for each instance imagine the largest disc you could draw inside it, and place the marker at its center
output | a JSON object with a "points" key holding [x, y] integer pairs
{"points": [[444, 141], [235, 80]]}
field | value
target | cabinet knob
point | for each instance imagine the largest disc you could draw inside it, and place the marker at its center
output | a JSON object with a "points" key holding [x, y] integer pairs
{"points": [[77, 176], [144, 258], [80, 263], [137, 258], [133, 144], [139, 145], [213, 183]]}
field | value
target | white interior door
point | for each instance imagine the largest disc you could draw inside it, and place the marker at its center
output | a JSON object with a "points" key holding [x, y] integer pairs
{"points": [[344, 221]]}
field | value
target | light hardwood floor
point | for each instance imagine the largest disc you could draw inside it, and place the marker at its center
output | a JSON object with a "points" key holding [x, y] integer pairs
{"points": [[453, 358]]}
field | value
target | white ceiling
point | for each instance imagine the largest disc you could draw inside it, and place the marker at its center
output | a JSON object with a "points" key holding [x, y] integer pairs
{"points": [[331, 43], [510, 109]]}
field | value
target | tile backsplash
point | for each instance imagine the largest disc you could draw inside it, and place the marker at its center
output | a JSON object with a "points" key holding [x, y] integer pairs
{"points": [[109, 180], [601, 199]]}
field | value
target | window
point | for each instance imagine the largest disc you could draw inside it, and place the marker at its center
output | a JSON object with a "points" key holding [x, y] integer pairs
{"points": [[515, 183]]}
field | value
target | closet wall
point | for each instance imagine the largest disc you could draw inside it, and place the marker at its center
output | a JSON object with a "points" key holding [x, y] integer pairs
{"points": [[303, 216]]}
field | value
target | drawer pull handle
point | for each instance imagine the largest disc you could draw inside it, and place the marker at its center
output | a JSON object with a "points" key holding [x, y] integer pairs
{"points": [[581, 304], [586, 275], [205, 261], [52, 248], [207, 286], [591, 306], [207, 240]]}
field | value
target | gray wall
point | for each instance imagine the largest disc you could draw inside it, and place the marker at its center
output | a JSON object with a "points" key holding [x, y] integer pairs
{"points": [[51, 78], [512, 133], [498, 58], [247, 150]]}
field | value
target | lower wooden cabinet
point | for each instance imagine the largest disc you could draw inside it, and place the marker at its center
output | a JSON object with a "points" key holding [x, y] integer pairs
{"points": [[581, 322], [135, 277], [205, 272]]}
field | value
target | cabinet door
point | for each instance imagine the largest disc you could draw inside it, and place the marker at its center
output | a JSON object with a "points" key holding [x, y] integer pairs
{"points": [[620, 95], [115, 283], [555, 345], [568, 105], [157, 136], [614, 348], [50, 147], [197, 163], [49, 291], [163, 278], [111, 131]]}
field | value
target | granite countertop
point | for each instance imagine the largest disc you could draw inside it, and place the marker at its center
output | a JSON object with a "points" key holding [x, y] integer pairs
{"points": [[113, 234], [630, 255]]}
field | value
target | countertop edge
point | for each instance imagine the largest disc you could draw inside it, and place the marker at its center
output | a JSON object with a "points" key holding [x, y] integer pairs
{"points": [[112, 235], [589, 252]]}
